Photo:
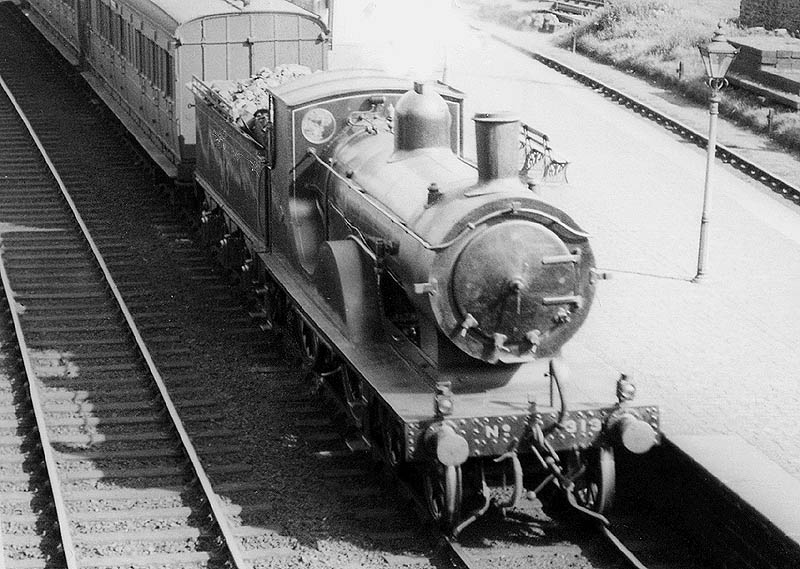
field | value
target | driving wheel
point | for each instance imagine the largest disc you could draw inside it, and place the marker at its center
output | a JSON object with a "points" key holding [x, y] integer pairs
{"points": [[443, 492], [595, 488]]}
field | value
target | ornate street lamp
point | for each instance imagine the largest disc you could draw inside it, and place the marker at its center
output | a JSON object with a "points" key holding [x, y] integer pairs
{"points": [[717, 58]]}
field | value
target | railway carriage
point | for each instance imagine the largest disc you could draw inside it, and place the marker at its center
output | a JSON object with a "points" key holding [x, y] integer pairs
{"points": [[139, 56]]}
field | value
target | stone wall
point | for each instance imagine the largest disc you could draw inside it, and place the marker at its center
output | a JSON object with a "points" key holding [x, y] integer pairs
{"points": [[771, 14]]}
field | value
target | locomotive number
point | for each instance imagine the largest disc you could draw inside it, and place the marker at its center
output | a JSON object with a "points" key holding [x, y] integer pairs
{"points": [[493, 431], [582, 426]]}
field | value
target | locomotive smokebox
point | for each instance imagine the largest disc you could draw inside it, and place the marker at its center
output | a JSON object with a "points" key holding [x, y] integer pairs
{"points": [[422, 120], [497, 144]]}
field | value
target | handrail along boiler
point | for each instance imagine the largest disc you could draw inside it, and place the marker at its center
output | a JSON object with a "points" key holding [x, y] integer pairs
{"points": [[433, 295]]}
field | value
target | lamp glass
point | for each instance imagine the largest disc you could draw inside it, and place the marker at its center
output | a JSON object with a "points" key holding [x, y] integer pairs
{"points": [[717, 56]]}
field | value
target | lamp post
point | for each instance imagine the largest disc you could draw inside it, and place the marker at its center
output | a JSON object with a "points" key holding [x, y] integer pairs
{"points": [[717, 57]]}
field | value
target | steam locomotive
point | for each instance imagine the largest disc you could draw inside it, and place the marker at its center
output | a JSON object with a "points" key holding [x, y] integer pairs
{"points": [[431, 294]]}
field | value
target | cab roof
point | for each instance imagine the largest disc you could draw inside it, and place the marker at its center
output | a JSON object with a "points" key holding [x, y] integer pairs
{"points": [[325, 84]]}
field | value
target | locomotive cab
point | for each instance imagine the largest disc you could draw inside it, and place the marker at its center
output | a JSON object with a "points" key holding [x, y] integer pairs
{"points": [[320, 111]]}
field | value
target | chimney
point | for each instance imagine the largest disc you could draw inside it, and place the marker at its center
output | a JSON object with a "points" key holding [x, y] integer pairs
{"points": [[497, 140]]}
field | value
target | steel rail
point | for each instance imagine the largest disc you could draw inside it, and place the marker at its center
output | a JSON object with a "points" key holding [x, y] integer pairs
{"points": [[729, 156], [458, 557], [38, 411], [231, 542], [70, 553]]}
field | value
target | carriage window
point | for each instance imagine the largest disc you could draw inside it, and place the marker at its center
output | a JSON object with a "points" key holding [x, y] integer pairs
{"points": [[105, 24], [148, 58], [151, 61], [170, 78], [113, 35], [96, 16], [126, 39], [101, 19], [155, 67], [142, 54], [139, 54], [124, 32], [162, 70]]}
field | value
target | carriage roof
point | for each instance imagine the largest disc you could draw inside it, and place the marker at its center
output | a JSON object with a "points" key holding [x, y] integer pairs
{"points": [[172, 14]]}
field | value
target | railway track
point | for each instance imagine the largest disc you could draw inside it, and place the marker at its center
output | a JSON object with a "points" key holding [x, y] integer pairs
{"points": [[106, 425], [293, 492]]}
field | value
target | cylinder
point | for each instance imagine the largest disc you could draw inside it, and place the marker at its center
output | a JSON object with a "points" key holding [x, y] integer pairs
{"points": [[497, 140]]}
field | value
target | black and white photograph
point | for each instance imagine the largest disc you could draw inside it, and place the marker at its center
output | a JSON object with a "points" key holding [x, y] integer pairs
{"points": [[383, 284]]}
